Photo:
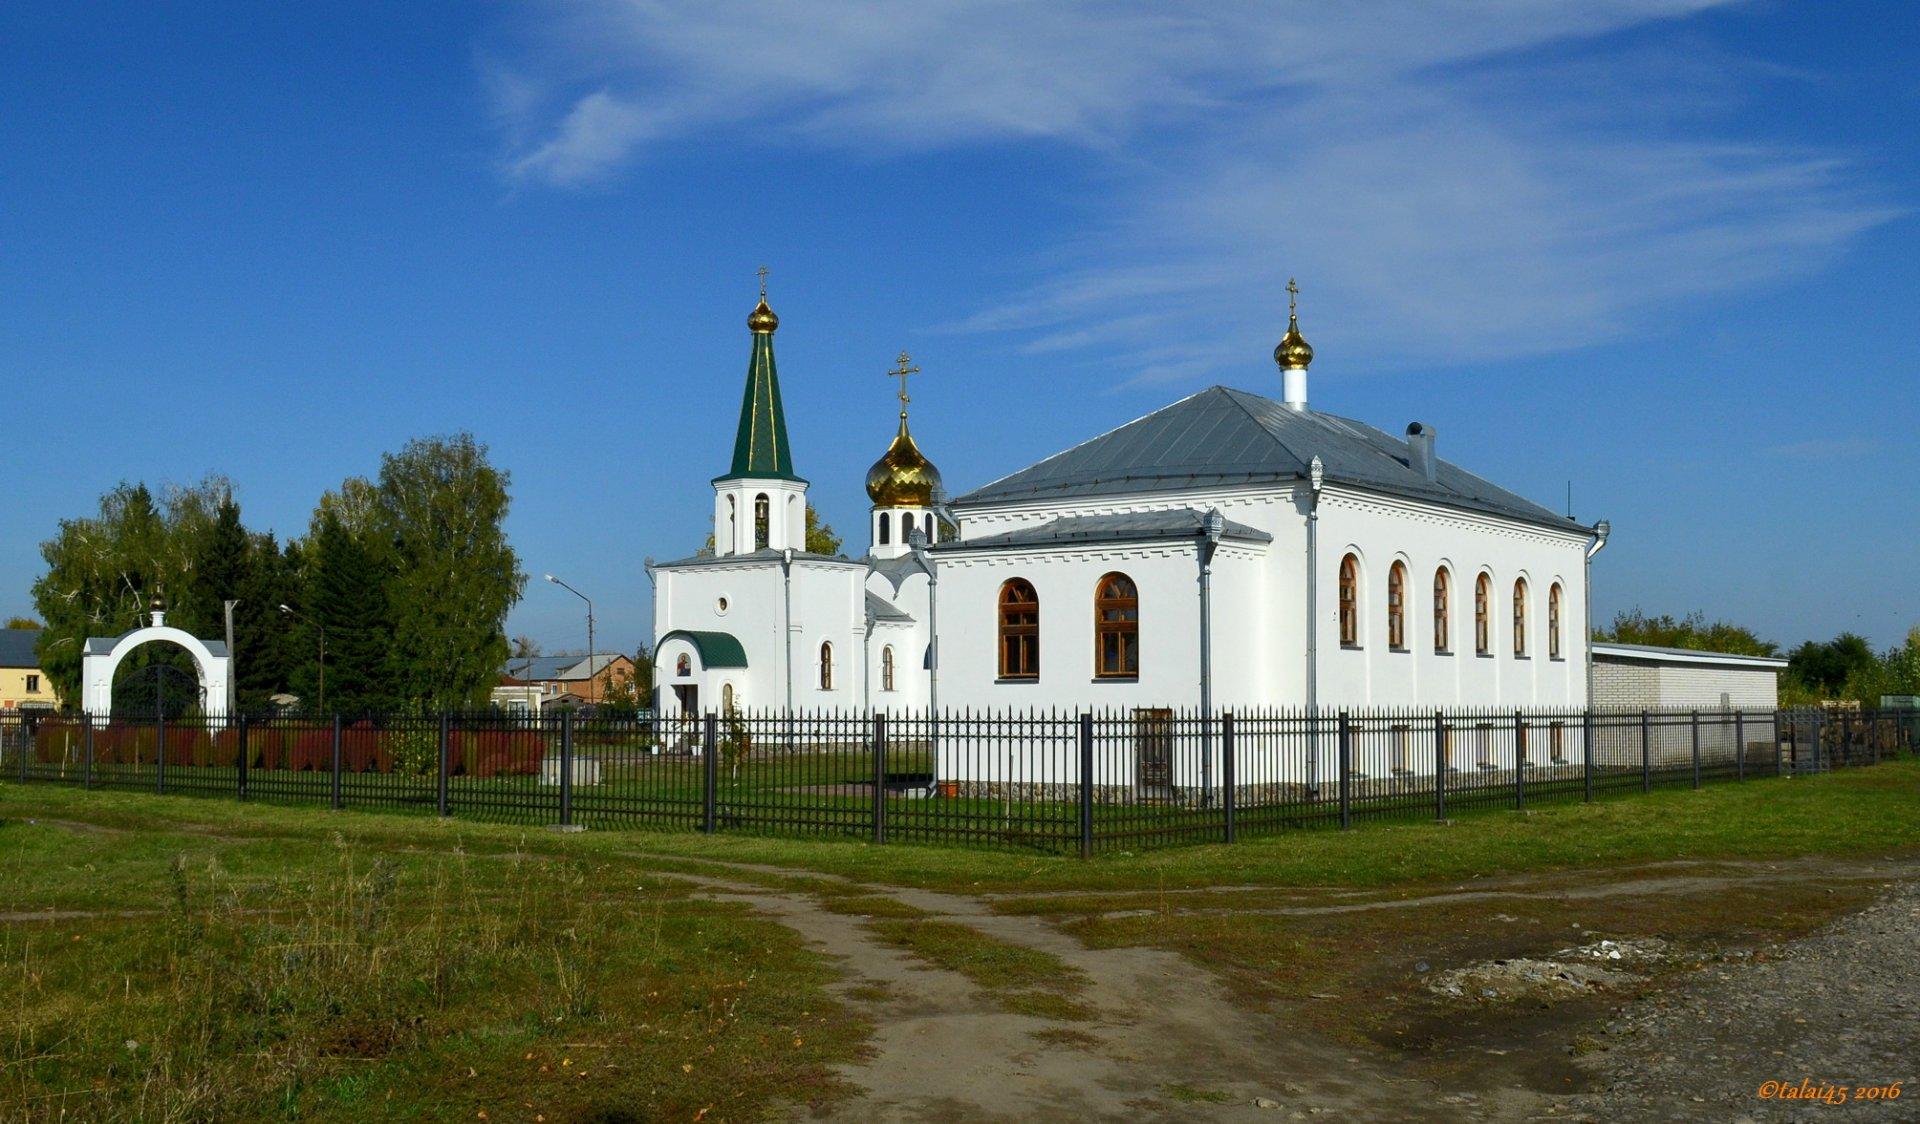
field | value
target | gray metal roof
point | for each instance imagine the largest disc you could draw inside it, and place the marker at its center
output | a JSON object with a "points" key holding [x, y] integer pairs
{"points": [[531, 668], [1223, 436], [880, 609], [1180, 523], [102, 645], [1654, 653], [768, 555], [16, 647]]}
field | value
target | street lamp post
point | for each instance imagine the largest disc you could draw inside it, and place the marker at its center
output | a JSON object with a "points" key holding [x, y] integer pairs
{"points": [[322, 630], [592, 681]]}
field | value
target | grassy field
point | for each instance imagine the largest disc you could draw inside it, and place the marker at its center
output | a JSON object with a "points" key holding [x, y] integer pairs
{"points": [[167, 958], [190, 970]]}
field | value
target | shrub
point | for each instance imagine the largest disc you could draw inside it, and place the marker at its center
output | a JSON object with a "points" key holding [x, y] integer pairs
{"points": [[364, 749], [59, 741], [490, 753]]}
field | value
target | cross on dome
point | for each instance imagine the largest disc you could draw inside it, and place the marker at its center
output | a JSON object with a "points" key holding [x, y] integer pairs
{"points": [[901, 370]]}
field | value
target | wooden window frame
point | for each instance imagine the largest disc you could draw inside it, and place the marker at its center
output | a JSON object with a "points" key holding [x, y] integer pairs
{"points": [[1019, 631], [1350, 601], [1397, 606], [1519, 618], [1442, 608], [1553, 621], [826, 665], [886, 668], [1483, 615], [1116, 617]]}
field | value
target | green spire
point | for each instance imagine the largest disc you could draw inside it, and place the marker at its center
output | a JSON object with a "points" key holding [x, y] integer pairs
{"points": [[760, 447]]}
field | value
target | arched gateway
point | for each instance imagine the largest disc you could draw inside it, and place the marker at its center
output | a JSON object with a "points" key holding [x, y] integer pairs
{"points": [[102, 655]]}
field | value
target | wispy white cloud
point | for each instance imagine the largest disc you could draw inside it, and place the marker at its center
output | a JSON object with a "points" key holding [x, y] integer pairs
{"points": [[1451, 179]]}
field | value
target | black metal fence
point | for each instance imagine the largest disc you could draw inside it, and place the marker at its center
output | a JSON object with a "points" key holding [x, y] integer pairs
{"points": [[1072, 782]]}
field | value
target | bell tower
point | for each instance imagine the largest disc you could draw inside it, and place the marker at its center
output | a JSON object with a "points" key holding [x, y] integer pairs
{"points": [[760, 504]]}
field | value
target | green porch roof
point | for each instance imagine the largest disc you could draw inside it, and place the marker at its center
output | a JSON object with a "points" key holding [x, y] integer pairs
{"points": [[717, 649]]}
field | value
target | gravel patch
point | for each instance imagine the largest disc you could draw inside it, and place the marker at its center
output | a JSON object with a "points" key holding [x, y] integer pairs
{"points": [[1811, 1030]]}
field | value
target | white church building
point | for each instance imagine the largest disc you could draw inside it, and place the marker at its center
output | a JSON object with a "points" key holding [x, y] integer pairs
{"points": [[1230, 550]]}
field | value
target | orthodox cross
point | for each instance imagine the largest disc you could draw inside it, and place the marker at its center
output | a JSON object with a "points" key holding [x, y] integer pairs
{"points": [[900, 371], [763, 283], [1293, 293]]}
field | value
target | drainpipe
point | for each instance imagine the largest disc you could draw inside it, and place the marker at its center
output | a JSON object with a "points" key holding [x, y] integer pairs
{"points": [[918, 544], [1316, 480], [786, 616], [653, 619], [1211, 528], [1600, 532]]}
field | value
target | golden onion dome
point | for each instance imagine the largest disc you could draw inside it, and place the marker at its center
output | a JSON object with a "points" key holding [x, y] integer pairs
{"points": [[904, 477], [1294, 352], [762, 319]]}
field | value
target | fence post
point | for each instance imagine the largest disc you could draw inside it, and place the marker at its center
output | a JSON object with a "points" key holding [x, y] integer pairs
{"points": [[1227, 772], [87, 779], [1086, 785], [336, 762], [879, 778], [446, 755], [1819, 734], [566, 768], [710, 773], [1586, 769], [159, 752], [1519, 761], [1439, 766], [1646, 752], [1779, 758], [1696, 749], [21, 746], [241, 752], [1739, 745], [1346, 771]]}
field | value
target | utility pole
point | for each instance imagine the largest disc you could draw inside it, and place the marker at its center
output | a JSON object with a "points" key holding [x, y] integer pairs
{"points": [[233, 680]]}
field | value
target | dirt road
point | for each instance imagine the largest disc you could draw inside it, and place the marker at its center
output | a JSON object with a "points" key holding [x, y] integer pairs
{"points": [[1687, 1026]]}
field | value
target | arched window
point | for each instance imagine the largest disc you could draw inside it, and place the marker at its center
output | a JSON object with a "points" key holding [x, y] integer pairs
{"points": [[1553, 621], [886, 668], [1350, 601], [1442, 627], [1482, 610], [1019, 630], [683, 665], [929, 527], [1520, 617], [826, 666], [762, 521], [1397, 607], [1116, 626], [886, 528], [726, 698]]}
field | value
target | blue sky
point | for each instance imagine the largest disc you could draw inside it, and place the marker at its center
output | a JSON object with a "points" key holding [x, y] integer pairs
{"points": [[1664, 250]]}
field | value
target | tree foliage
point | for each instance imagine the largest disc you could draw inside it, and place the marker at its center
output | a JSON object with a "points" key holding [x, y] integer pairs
{"points": [[1693, 632], [410, 575], [439, 511]]}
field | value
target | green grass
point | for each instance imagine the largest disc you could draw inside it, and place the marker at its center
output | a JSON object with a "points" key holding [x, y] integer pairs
{"points": [[1023, 980], [1862, 810], [326, 972]]}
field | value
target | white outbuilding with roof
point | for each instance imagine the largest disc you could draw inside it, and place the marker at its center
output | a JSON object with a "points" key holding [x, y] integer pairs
{"points": [[1228, 550]]}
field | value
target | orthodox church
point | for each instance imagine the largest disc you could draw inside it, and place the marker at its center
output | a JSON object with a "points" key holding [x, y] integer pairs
{"points": [[1230, 550]]}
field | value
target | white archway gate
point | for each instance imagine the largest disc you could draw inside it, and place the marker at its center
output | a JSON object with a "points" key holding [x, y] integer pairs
{"points": [[102, 655]]}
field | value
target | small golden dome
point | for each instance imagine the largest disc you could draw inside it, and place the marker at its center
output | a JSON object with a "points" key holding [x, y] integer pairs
{"points": [[762, 319], [904, 477], [1294, 353]]}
